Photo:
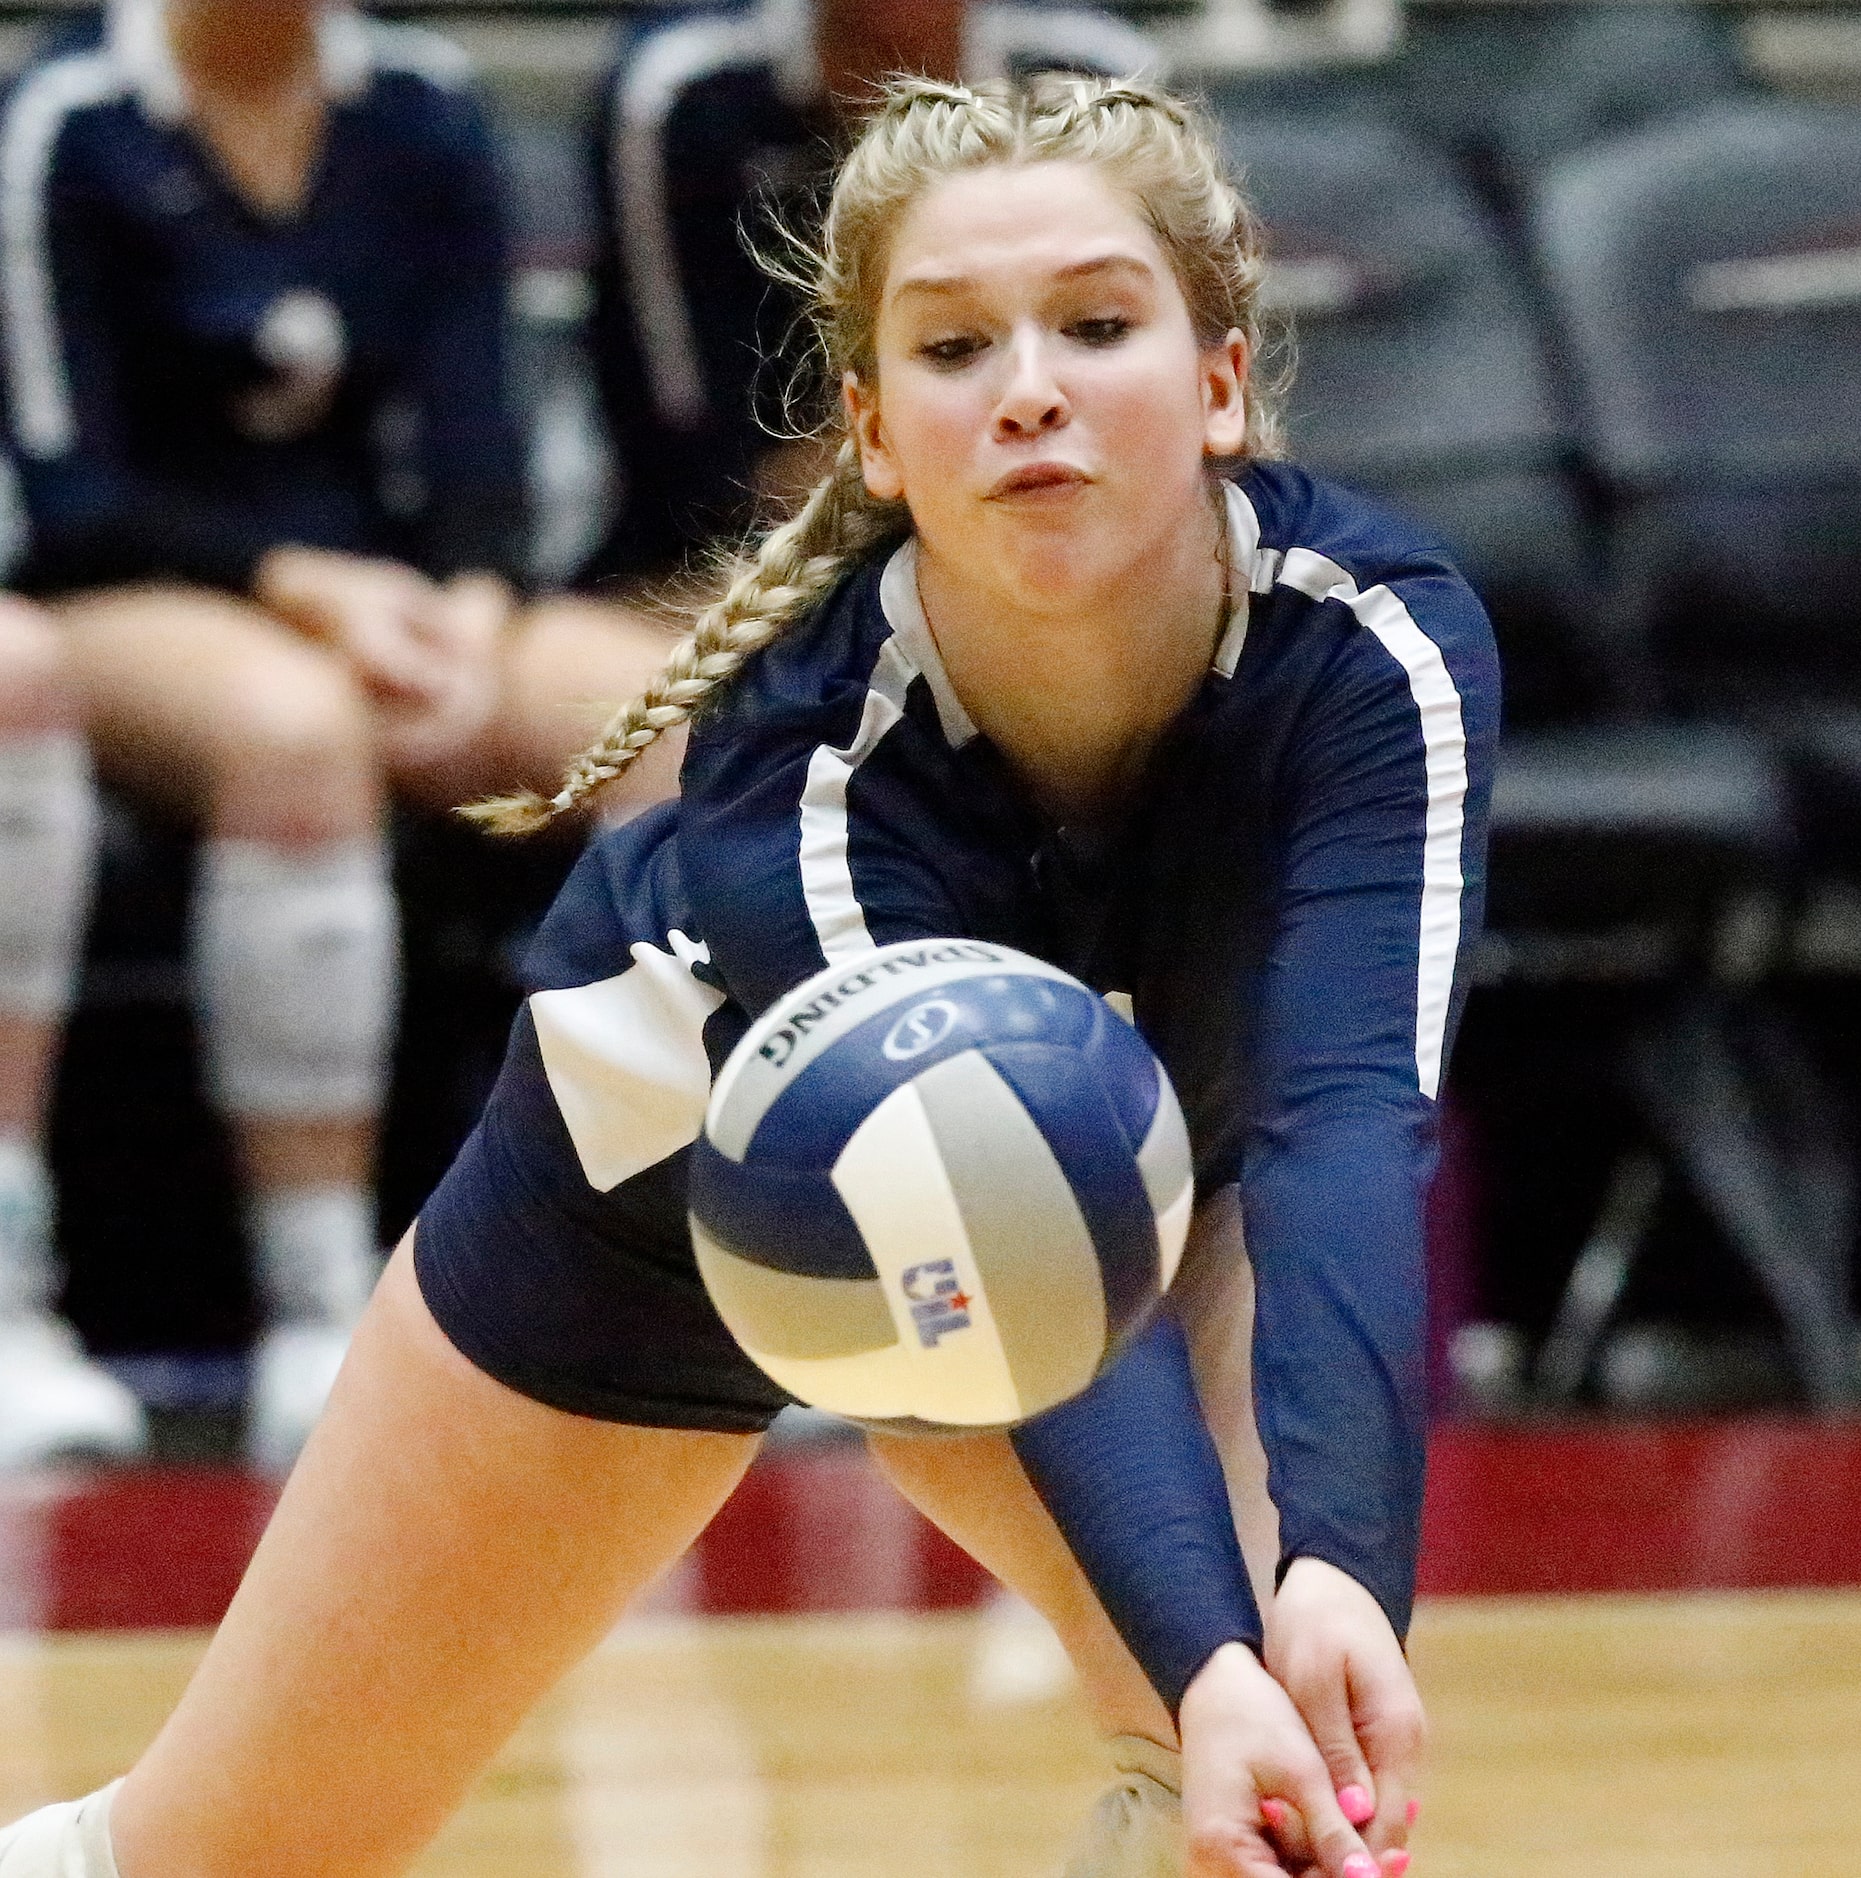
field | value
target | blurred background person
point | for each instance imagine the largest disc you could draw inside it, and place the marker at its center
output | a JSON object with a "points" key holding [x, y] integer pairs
{"points": [[705, 124], [54, 1400], [254, 314]]}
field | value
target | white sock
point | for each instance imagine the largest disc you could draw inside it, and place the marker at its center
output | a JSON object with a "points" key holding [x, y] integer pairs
{"points": [[314, 1253], [69, 1840], [1136, 1828], [296, 965], [48, 844], [95, 1845], [28, 1276]]}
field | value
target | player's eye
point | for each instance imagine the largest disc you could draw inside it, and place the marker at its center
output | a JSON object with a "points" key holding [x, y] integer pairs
{"points": [[955, 351], [1106, 330]]}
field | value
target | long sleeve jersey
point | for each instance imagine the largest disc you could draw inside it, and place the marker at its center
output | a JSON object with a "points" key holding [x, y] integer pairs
{"points": [[1286, 904]]}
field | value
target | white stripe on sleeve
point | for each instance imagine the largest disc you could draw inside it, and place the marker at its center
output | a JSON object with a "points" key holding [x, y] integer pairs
{"points": [[1444, 745], [649, 86], [44, 424], [1444, 741], [826, 874], [392, 48]]}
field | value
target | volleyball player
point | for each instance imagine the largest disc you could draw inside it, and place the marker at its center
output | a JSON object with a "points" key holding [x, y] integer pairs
{"points": [[708, 124], [1057, 655], [253, 294]]}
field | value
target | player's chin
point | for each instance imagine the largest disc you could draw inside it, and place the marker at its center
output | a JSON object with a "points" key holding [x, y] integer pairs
{"points": [[1067, 512], [1077, 543]]}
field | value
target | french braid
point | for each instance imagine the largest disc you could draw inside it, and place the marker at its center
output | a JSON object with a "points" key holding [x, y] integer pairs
{"points": [[766, 590], [1152, 145]]}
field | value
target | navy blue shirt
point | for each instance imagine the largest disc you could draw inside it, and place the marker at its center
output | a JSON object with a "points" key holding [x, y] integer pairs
{"points": [[191, 381], [707, 124], [1287, 904]]}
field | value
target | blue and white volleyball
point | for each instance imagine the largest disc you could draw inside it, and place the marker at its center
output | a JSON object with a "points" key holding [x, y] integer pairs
{"points": [[942, 1184]]}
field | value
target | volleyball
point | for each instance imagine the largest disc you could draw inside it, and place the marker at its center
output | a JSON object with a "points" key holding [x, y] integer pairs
{"points": [[940, 1185]]}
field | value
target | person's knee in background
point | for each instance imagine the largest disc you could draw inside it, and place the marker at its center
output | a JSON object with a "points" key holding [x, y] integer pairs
{"points": [[53, 1400], [295, 966]]}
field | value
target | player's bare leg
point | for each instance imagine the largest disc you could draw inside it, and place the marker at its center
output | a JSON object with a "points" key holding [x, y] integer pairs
{"points": [[444, 1551], [975, 1489], [221, 717], [225, 718], [1214, 1299]]}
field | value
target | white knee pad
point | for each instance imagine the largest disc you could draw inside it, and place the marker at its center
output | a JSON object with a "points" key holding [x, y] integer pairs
{"points": [[1136, 1829], [296, 967], [69, 1840], [28, 1282], [314, 1252], [48, 845]]}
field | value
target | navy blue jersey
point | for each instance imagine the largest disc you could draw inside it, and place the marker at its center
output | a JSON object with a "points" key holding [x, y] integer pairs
{"points": [[1285, 902], [706, 124], [191, 381]]}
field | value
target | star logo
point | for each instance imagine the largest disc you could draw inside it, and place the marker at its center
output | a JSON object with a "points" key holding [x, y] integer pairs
{"points": [[938, 1303]]}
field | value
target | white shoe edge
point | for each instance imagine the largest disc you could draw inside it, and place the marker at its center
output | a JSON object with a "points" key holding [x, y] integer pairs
{"points": [[70, 1839], [70, 1406]]}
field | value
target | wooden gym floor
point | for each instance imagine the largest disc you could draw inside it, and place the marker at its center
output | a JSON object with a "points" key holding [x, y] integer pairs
{"points": [[1621, 1680], [1704, 1737]]}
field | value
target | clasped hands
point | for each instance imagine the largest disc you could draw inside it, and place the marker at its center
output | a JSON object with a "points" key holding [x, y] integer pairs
{"points": [[1306, 1765], [426, 653]]}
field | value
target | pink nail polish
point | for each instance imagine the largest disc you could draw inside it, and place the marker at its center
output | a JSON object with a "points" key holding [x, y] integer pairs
{"points": [[1415, 1811], [1395, 1864], [1361, 1865], [1274, 1813], [1355, 1804]]}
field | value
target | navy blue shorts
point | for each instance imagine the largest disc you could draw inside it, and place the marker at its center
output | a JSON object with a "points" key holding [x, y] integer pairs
{"points": [[555, 1253], [623, 1332]]}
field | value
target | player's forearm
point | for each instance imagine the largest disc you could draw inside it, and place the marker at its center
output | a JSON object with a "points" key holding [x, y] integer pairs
{"points": [[1133, 1481], [1334, 1229]]}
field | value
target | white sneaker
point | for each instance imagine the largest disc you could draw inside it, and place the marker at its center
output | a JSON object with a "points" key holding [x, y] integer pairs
{"points": [[1136, 1830], [69, 1840], [293, 1369], [56, 1404]]}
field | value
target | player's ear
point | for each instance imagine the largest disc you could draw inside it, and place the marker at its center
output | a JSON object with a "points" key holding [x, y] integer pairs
{"points": [[1224, 395], [884, 480]]}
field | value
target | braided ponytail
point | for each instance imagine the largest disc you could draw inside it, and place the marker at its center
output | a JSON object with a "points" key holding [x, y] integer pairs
{"points": [[766, 591], [1149, 143]]}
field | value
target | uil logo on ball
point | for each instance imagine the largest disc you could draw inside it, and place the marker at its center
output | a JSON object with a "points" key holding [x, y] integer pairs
{"points": [[921, 1028], [938, 1302]]}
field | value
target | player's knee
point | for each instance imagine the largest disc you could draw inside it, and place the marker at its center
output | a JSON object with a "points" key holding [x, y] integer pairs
{"points": [[299, 746], [36, 690]]}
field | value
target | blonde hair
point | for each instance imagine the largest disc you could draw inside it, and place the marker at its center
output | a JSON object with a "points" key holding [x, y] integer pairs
{"points": [[1154, 147]]}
